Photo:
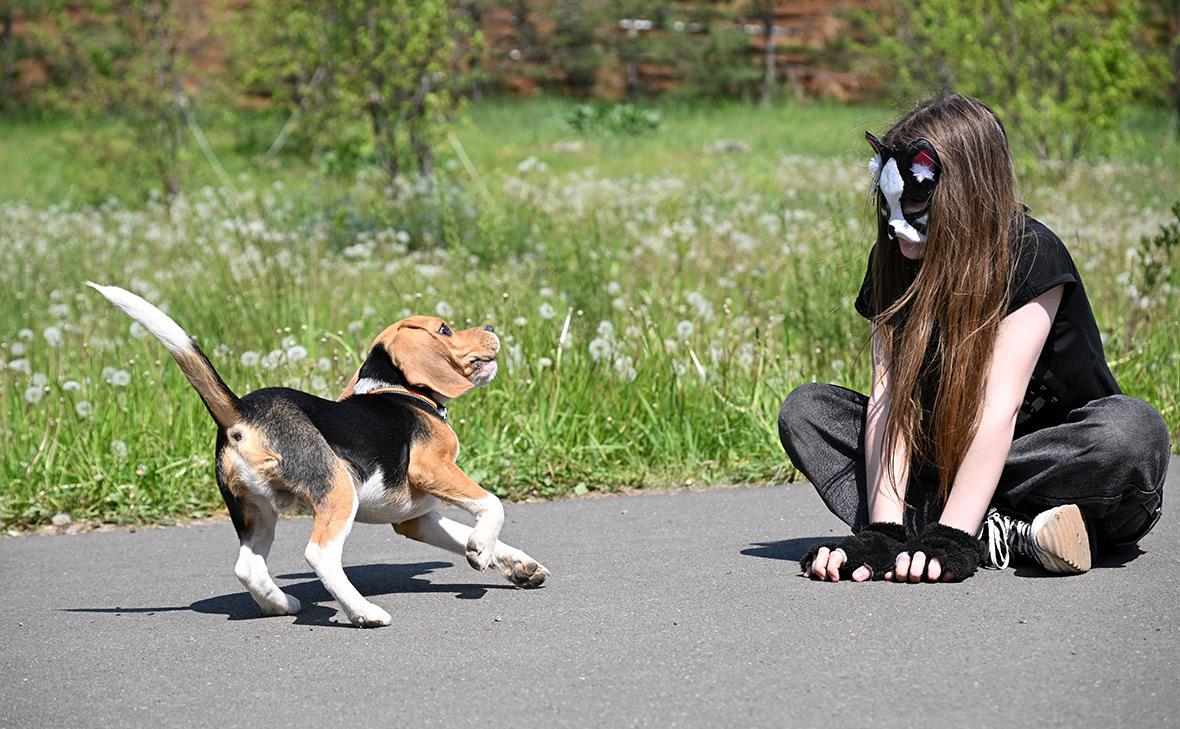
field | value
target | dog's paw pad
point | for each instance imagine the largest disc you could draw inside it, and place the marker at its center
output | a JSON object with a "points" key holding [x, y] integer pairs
{"points": [[371, 616], [527, 574]]}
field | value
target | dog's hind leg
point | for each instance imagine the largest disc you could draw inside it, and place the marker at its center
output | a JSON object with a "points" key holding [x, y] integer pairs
{"points": [[335, 509], [437, 530], [254, 520]]}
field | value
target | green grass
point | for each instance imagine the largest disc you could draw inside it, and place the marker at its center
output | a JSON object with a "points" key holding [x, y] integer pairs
{"points": [[725, 278]]}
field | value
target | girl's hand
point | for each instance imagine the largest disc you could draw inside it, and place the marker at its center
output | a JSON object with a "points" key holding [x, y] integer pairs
{"points": [[827, 564], [939, 554], [910, 569], [859, 557]]}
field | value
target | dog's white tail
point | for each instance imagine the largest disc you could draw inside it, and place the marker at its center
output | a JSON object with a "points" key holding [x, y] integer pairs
{"points": [[221, 402]]}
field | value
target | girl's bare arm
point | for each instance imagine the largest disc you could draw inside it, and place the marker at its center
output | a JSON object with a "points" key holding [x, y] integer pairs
{"points": [[1019, 342], [885, 494]]}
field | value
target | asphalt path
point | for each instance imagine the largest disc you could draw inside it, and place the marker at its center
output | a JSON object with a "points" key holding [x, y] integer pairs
{"points": [[668, 610]]}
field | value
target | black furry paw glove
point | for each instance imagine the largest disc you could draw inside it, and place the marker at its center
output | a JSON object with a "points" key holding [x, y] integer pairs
{"points": [[875, 546], [958, 552]]}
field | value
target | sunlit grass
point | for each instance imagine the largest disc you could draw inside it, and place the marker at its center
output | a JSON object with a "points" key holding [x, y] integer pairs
{"points": [[696, 287]]}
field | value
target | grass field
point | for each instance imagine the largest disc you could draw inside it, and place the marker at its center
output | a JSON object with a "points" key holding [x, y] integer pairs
{"points": [[658, 295]]}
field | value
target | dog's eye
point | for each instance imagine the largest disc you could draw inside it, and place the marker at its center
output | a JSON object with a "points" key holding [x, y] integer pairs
{"points": [[444, 330]]}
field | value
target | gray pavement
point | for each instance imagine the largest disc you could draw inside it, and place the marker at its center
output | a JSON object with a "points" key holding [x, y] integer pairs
{"points": [[668, 610]]}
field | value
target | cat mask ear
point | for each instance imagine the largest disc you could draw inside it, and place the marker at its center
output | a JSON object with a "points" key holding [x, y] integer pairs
{"points": [[875, 162]]}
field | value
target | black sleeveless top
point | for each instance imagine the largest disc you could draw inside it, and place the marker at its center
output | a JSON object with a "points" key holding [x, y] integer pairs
{"points": [[1071, 370]]}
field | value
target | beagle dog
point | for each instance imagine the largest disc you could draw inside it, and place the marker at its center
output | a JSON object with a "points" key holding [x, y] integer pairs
{"points": [[383, 453]]}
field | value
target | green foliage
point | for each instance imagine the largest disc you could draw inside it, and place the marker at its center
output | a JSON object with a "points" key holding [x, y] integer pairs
{"points": [[718, 64], [128, 61], [1158, 256], [1056, 72], [370, 81], [623, 119], [726, 280]]}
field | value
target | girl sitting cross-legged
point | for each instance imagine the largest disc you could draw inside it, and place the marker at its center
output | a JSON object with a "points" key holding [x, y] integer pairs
{"points": [[994, 427]]}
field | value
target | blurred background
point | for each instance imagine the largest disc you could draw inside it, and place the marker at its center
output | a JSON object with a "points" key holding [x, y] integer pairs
{"points": [[661, 205]]}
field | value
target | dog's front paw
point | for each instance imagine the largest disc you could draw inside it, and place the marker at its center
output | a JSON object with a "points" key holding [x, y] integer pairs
{"points": [[525, 573], [370, 616], [289, 606], [480, 552]]}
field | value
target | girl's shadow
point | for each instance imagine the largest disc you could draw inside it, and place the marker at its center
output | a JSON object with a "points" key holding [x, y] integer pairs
{"points": [[790, 550]]}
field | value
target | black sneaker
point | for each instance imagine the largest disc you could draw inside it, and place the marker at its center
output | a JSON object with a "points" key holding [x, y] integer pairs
{"points": [[1056, 540]]}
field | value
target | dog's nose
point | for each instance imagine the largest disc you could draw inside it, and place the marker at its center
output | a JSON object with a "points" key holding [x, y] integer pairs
{"points": [[488, 328]]}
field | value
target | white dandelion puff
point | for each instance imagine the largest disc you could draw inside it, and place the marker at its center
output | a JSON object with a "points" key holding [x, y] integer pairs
{"points": [[684, 329], [25, 334], [53, 336], [71, 386], [547, 311], [250, 359], [297, 353], [323, 364], [544, 363], [120, 378], [16, 349], [83, 408], [39, 379], [444, 310], [599, 348], [137, 330], [34, 394], [119, 449]]}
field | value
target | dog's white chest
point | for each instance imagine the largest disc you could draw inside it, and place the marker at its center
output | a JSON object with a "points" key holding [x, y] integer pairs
{"points": [[379, 505]]}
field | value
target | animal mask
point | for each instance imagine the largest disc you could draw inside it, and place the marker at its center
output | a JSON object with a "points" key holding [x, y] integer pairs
{"points": [[905, 176]]}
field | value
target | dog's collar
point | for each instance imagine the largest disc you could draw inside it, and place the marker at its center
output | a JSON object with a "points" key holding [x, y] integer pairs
{"points": [[440, 410]]}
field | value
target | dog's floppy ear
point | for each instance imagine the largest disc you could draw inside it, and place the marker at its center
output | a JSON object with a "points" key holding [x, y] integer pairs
{"points": [[427, 362]]}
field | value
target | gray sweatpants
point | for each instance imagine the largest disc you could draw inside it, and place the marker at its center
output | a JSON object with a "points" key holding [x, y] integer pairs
{"points": [[1109, 457]]}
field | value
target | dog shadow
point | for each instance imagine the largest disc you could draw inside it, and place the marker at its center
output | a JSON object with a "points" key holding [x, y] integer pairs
{"points": [[789, 550], [370, 580]]}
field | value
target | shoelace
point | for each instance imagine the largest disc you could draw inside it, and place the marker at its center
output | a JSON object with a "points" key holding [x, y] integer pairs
{"points": [[1004, 534]]}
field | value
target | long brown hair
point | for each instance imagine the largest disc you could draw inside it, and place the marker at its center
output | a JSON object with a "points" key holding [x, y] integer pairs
{"points": [[959, 292]]}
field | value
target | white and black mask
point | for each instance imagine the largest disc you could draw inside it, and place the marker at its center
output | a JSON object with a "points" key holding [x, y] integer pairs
{"points": [[905, 176]]}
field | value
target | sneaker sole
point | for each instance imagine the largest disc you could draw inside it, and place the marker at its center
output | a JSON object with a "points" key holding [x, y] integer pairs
{"points": [[1062, 541]]}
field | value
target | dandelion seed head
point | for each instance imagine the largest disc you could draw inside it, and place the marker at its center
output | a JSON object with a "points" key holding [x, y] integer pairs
{"points": [[137, 331], [83, 408], [71, 386], [250, 359], [296, 353], [444, 310], [120, 378], [547, 311], [600, 348], [53, 336], [34, 394], [17, 349], [684, 329], [119, 449]]}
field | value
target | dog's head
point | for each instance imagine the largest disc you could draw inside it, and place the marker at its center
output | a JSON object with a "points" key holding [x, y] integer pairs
{"points": [[432, 356]]}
